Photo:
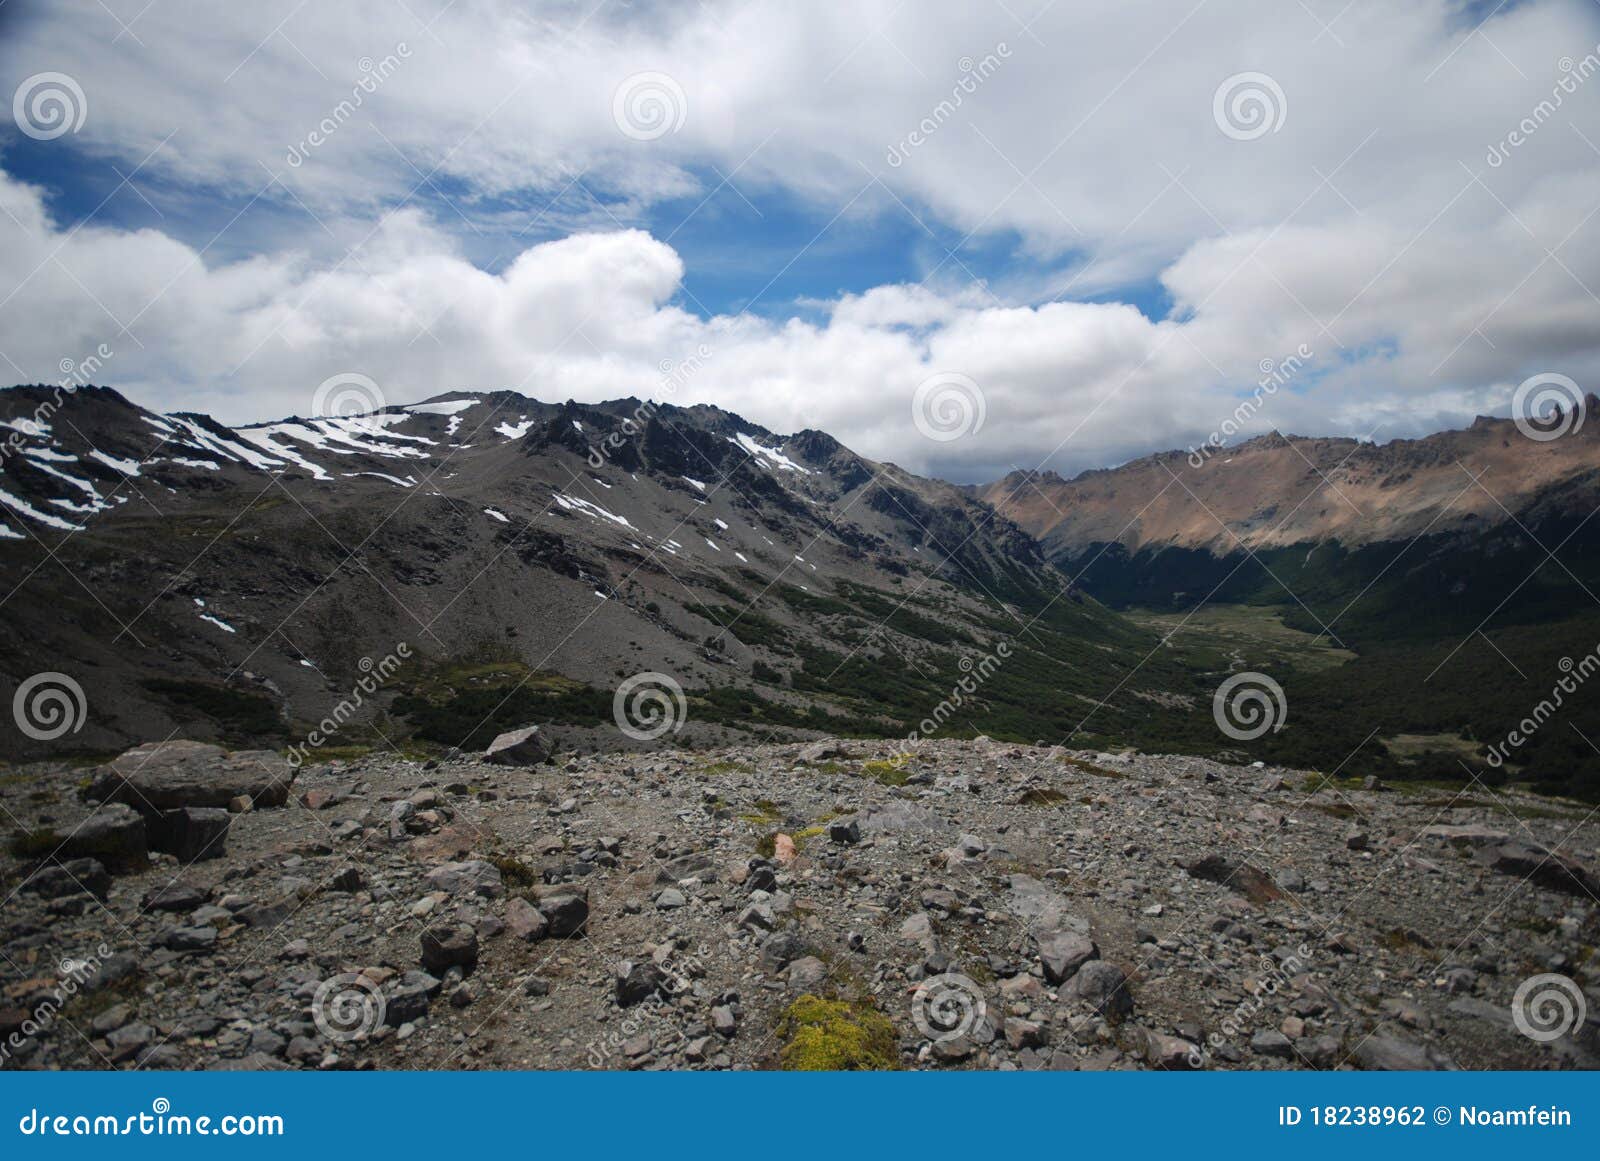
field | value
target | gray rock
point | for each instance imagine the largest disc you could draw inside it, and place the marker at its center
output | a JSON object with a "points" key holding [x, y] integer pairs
{"points": [[452, 946], [79, 876], [528, 746], [474, 877], [1173, 1053], [566, 909], [1271, 1042], [637, 981], [807, 974], [190, 833], [162, 776], [1104, 987], [670, 900], [190, 939], [1387, 1053], [128, 1041], [1062, 953], [525, 921], [114, 834], [175, 897], [779, 949]]}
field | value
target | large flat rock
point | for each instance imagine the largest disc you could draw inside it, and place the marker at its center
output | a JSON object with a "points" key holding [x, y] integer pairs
{"points": [[163, 776]]}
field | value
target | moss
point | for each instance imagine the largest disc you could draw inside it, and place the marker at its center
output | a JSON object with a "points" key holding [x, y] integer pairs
{"points": [[35, 844], [515, 872], [1091, 767], [889, 771], [1041, 796], [801, 837], [767, 845], [835, 1036]]}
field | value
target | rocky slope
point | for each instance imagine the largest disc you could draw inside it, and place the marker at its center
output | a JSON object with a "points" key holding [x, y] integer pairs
{"points": [[970, 905], [1277, 491], [235, 584]]}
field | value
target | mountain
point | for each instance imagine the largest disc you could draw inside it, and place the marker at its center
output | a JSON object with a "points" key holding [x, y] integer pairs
{"points": [[501, 561], [1417, 599], [1168, 529]]}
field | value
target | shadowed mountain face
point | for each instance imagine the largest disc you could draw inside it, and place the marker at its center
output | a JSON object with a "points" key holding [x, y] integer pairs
{"points": [[239, 584]]}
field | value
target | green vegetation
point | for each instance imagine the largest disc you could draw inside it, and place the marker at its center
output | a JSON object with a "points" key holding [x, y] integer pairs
{"points": [[242, 718], [835, 1036]]}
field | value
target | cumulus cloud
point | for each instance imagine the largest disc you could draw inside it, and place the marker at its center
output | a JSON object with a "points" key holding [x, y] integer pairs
{"points": [[1370, 228]]}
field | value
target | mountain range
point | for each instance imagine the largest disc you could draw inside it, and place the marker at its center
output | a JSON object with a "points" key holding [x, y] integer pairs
{"points": [[500, 561]]}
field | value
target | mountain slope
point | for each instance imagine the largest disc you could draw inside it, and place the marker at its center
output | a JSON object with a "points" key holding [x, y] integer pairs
{"points": [[239, 583], [1462, 570]]}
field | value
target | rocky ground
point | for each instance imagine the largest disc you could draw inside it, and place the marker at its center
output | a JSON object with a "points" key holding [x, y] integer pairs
{"points": [[976, 905]]}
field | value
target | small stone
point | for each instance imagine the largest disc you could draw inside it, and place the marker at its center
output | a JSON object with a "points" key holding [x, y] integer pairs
{"points": [[1025, 1033], [447, 947], [1270, 1042], [525, 921], [637, 982]]}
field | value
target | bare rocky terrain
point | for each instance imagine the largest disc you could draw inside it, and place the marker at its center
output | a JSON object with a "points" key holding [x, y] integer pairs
{"points": [[970, 905]]}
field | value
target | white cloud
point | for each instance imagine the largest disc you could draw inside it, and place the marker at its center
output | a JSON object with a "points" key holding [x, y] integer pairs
{"points": [[1369, 228]]}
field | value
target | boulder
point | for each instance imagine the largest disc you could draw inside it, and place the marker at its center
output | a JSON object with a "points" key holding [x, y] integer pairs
{"points": [[78, 875], [190, 833], [528, 746], [161, 776], [114, 834]]}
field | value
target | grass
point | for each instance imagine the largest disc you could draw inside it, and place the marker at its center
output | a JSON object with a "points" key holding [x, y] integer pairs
{"points": [[1256, 636]]}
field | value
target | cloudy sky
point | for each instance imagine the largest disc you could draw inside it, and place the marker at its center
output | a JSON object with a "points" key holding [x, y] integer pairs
{"points": [[966, 236]]}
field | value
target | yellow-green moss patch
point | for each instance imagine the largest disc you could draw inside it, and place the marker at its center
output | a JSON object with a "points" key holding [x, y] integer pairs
{"points": [[835, 1036]]}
